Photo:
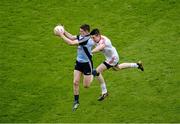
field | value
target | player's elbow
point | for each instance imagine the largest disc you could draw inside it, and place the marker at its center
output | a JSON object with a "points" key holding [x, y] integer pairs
{"points": [[70, 43]]}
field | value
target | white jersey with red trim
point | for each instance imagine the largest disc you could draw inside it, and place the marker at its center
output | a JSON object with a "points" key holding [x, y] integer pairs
{"points": [[110, 53]]}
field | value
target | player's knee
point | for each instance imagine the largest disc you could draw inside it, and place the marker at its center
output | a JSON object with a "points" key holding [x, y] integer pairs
{"points": [[86, 85], [76, 83], [95, 73]]}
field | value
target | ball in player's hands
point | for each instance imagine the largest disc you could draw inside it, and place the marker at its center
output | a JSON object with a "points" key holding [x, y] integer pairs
{"points": [[58, 29]]}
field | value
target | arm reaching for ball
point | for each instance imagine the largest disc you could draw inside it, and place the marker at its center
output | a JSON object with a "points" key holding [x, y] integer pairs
{"points": [[66, 36], [67, 40]]}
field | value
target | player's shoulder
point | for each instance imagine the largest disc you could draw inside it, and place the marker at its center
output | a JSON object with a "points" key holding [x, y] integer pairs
{"points": [[103, 40], [104, 37], [83, 38], [90, 41]]}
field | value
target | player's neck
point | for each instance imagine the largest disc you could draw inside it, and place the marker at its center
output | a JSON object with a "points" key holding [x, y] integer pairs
{"points": [[99, 39]]}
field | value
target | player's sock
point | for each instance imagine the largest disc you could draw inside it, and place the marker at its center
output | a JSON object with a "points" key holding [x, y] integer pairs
{"points": [[103, 87], [95, 73], [134, 65], [76, 98]]}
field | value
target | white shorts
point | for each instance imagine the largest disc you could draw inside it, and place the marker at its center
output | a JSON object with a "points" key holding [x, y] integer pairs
{"points": [[112, 61]]}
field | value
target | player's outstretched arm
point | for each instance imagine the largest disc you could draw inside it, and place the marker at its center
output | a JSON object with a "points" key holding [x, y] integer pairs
{"points": [[67, 40], [69, 35]]}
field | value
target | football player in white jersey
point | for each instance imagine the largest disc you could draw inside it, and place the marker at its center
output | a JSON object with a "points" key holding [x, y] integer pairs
{"points": [[104, 45]]}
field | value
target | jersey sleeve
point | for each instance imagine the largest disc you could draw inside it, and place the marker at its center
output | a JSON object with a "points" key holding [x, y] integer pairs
{"points": [[83, 40]]}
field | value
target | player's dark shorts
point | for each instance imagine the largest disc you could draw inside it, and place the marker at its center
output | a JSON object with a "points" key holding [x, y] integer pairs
{"points": [[108, 66], [85, 68]]}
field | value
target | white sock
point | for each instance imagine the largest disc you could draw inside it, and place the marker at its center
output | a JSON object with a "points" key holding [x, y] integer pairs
{"points": [[103, 87], [134, 65]]}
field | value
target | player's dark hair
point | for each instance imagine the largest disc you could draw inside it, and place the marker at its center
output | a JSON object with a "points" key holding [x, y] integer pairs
{"points": [[85, 27], [95, 32]]}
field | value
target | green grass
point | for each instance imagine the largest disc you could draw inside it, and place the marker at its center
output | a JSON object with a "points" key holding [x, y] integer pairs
{"points": [[36, 68]]}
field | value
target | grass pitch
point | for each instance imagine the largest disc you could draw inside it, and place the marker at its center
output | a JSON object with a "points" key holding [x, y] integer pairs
{"points": [[36, 68]]}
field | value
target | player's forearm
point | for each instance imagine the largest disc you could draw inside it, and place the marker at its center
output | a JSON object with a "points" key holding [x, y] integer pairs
{"points": [[95, 50], [68, 41], [98, 48], [68, 35]]}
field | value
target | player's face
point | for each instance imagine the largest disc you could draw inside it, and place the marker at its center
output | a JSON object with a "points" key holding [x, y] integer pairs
{"points": [[82, 32], [96, 38]]}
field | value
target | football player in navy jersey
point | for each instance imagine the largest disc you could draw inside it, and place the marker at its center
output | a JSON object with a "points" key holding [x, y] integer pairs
{"points": [[84, 65]]}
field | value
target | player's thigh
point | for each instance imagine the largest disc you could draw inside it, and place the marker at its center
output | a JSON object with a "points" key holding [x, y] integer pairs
{"points": [[77, 76], [101, 68]]}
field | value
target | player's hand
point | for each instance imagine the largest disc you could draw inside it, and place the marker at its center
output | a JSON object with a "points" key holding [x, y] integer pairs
{"points": [[61, 25], [59, 30], [61, 34]]}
